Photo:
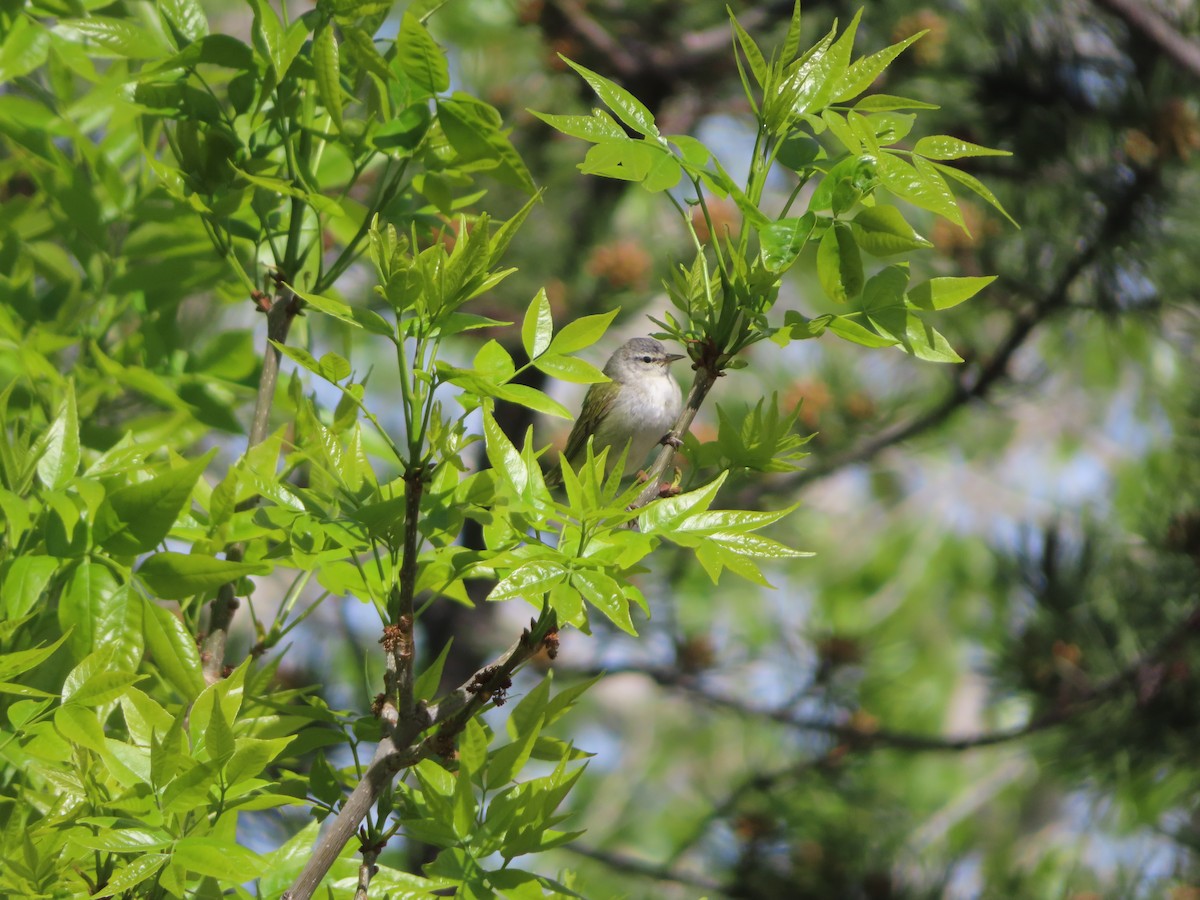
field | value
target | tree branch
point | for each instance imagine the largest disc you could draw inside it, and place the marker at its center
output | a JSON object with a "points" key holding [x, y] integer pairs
{"points": [[280, 314], [396, 751], [866, 738], [624, 863], [978, 384], [1148, 22]]}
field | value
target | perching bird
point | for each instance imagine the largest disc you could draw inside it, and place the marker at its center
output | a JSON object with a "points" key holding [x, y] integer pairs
{"points": [[637, 407]]}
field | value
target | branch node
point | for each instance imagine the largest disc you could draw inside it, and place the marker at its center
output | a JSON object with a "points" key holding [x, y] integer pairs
{"points": [[491, 682], [550, 643]]}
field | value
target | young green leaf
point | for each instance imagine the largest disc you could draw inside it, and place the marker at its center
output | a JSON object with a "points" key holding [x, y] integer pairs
{"points": [[881, 230], [943, 146], [862, 74], [328, 71], [136, 518], [597, 127], [850, 330], [419, 57], [177, 576], [581, 333], [59, 446], [538, 326], [782, 241], [839, 266], [758, 65], [943, 293], [629, 109]]}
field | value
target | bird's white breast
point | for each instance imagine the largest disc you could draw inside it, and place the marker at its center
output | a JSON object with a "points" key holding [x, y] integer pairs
{"points": [[642, 412]]}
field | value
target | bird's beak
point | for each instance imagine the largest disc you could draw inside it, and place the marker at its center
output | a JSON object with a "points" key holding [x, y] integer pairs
{"points": [[672, 357]]}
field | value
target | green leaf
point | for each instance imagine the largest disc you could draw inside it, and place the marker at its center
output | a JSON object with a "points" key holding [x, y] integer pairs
{"points": [[218, 736], [977, 186], [597, 127], [758, 65], [187, 16], [506, 763], [538, 326], [13, 664], [419, 57], [819, 76], [885, 290], [885, 102], [463, 805], [426, 685], [581, 333], [569, 368], [695, 155], [319, 202], [782, 241], [605, 594], [943, 293], [862, 74], [269, 38], [473, 747], [121, 37], [213, 50], [223, 860], [850, 330], [85, 686], [80, 726], [99, 609], [331, 366], [529, 581], [839, 266], [628, 108], [59, 446], [532, 398], [664, 515], [177, 576], [173, 649], [503, 455], [405, 131], [881, 230], [920, 185], [328, 72], [128, 876], [23, 49], [654, 168], [136, 518], [473, 129], [25, 581], [943, 146], [927, 343]]}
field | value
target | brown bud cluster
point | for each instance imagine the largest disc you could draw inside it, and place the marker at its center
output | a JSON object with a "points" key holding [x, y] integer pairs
{"points": [[482, 684], [550, 643]]}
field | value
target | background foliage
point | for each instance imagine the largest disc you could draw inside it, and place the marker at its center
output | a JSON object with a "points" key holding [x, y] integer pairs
{"points": [[983, 682]]}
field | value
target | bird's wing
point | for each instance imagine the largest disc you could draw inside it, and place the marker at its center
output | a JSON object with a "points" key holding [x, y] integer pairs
{"points": [[596, 404]]}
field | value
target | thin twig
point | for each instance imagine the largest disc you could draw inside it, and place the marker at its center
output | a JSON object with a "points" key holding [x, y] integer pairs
{"points": [[396, 751], [280, 314], [366, 872], [1119, 217]]}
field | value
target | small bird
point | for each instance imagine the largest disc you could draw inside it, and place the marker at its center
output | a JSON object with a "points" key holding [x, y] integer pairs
{"points": [[637, 407]]}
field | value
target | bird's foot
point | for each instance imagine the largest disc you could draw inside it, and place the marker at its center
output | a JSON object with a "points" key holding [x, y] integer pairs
{"points": [[670, 440]]}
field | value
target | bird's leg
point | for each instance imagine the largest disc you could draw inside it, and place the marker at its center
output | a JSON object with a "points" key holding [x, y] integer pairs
{"points": [[670, 440]]}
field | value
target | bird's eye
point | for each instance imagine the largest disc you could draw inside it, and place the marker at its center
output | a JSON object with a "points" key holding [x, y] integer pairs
{"points": [[647, 359]]}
